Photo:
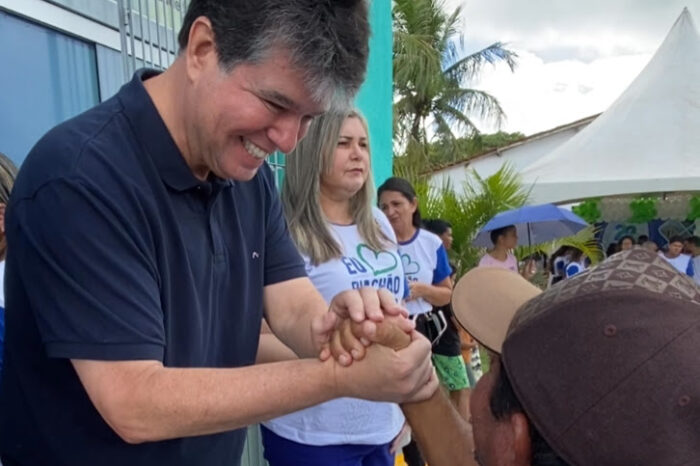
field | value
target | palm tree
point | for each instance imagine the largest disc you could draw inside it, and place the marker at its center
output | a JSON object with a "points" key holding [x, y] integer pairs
{"points": [[430, 75]]}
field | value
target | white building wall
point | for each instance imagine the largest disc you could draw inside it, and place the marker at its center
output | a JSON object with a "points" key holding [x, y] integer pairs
{"points": [[517, 155]]}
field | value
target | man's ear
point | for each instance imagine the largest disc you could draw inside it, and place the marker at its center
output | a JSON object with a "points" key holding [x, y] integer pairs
{"points": [[201, 47], [522, 442]]}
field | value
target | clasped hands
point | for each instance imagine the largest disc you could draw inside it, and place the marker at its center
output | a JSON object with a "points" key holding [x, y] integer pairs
{"points": [[374, 345]]}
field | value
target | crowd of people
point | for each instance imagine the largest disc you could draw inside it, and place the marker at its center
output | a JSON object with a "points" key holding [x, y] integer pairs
{"points": [[682, 252], [160, 296]]}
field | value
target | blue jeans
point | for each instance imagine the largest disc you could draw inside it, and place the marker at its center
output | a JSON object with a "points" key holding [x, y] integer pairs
{"points": [[282, 452]]}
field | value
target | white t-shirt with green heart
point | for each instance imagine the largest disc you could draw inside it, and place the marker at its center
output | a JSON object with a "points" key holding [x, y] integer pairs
{"points": [[424, 260], [349, 420]]}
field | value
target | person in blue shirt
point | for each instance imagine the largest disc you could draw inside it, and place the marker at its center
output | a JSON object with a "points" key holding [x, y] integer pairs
{"points": [[146, 242], [674, 255], [577, 263]]}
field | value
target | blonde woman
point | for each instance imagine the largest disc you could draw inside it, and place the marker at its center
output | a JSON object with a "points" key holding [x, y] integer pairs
{"points": [[346, 243]]}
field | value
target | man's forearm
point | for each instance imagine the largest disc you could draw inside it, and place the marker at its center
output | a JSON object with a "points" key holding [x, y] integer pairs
{"points": [[444, 437], [290, 312], [271, 349], [296, 333], [164, 403]]}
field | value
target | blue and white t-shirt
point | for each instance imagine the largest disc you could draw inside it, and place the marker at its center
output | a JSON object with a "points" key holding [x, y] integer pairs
{"points": [[559, 267], [424, 260], [683, 263], [574, 268], [350, 420]]}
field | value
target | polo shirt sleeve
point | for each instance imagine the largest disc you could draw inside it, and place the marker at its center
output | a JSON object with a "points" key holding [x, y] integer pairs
{"points": [[91, 284], [282, 259], [442, 268]]}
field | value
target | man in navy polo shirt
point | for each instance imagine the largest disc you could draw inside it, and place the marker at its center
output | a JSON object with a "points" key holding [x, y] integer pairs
{"points": [[147, 242]]}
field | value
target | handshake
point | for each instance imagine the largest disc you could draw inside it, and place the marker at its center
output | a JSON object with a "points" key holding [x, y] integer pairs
{"points": [[381, 359]]}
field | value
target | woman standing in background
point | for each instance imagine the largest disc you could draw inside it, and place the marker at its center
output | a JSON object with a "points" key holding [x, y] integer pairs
{"points": [[346, 243]]}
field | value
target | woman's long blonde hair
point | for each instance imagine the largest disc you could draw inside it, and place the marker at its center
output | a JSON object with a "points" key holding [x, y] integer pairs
{"points": [[312, 158]]}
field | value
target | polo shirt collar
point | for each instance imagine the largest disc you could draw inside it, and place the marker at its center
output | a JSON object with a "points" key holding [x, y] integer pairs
{"points": [[155, 138]]}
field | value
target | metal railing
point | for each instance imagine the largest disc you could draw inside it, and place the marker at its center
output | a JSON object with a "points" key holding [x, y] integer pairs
{"points": [[148, 32]]}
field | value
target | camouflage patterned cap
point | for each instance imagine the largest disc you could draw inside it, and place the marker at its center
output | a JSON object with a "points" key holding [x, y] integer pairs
{"points": [[607, 364]]}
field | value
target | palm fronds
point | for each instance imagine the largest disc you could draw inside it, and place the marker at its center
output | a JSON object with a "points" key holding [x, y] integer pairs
{"points": [[431, 75]]}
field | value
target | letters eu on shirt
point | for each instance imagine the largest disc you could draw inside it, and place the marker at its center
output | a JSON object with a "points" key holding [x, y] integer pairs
{"points": [[360, 266]]}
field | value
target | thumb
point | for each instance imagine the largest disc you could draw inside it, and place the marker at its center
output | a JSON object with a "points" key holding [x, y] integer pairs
{"points": [[322, 326], [391, 333]]}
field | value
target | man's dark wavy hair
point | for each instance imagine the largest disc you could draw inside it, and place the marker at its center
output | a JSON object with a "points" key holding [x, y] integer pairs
{"points": [[327, 40]]}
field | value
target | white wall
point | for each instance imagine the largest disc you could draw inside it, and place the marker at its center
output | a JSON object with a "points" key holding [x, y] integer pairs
{"points": [[518, 156]]}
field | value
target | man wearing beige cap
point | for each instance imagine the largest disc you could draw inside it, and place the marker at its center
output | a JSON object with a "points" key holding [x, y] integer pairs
{"points": [[602, 369]]}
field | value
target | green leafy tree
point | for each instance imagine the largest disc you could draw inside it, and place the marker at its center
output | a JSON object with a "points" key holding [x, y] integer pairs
{"points": [[479, 200], [469, 209], [431, 72]]}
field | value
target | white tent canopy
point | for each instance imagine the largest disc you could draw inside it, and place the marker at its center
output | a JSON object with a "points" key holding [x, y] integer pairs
{"points": [[647, 141]]}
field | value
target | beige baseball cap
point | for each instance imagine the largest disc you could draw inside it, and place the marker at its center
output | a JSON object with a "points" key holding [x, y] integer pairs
{"points": [[485, 300]]}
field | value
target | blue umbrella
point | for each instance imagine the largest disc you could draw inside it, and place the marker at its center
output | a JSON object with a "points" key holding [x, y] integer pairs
{"points": [[535, 224]]}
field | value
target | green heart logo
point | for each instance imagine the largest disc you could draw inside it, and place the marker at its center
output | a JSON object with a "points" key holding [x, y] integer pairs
{"points": [[379, 261], [409, 267]]}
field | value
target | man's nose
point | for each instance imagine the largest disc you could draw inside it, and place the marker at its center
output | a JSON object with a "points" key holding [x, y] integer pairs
{"points": [[286, 132]]}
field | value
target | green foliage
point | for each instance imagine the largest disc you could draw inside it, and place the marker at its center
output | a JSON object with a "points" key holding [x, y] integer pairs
{"points": [[694, 204], [468, 210], [439, 155], [479, 199], [643, 210], [430, 72], [583, 240], [419, 158], [588, 210]]}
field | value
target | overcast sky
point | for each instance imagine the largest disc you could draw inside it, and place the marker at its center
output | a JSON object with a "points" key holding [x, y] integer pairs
{"points": [[575, 57]]}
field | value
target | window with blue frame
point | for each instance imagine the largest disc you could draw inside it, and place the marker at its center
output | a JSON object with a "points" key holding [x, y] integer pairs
{"points": [[47, 77]]}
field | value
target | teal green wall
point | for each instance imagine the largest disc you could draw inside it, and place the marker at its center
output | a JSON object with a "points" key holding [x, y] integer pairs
{"points": [[375, 97]]}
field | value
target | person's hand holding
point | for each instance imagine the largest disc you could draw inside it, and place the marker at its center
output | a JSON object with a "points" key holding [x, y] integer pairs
{"points": [[417, 290], [406, 375], [529, 269], [393, 332], [365, 307]]}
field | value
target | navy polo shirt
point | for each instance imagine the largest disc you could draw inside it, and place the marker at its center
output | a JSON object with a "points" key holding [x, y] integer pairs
{"points": [[117, 252]]}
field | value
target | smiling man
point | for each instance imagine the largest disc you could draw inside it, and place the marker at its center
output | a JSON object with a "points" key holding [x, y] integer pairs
{"points": [[147, 243]]}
